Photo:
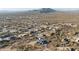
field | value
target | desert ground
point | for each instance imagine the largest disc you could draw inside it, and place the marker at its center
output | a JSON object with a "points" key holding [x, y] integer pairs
{"points": [[58, 31]]}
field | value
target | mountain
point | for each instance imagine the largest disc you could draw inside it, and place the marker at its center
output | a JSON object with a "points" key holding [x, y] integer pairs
{"points": [[43, 10], [20, 12], [46, 10]]}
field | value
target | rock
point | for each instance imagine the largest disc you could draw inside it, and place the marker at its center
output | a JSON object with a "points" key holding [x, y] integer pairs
{"points": [[40, 35], [44, 26], [66, 41], [42, 41], [77, 40], [5, 30], [7, 38], [72, 49], [54, 30], [63, 49], [1, 46], [33, 33], [1, 39], [24, 34], [60, 48], [46, 23], [77, 34], [12, 30], [13, 38], [36, 29], [47, 34], [74, 25]]}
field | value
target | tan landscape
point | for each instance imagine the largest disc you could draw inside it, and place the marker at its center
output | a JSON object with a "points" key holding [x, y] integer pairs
{"points": [[52, 31]]}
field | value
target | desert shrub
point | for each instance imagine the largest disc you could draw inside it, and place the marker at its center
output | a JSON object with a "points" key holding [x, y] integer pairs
{"points": [[4, 43], [20, 48], [24, 48], [28, 48]]}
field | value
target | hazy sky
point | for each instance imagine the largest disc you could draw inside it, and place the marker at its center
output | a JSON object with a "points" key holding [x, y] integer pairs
{"points": [[16, 9], [23, 9], [67, 9]]}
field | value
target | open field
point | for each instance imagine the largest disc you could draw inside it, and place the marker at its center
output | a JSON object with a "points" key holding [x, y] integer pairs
{"points": [[58, 31]]}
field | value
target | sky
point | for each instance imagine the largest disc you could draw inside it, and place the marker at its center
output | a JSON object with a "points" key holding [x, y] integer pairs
{"points": [[67, 9], [35, 4], [16, 9], [25, 9], [21, 5]]}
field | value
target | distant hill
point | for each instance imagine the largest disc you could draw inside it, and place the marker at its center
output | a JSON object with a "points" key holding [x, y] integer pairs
{"points": [[46, 10], [43, 10]]}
